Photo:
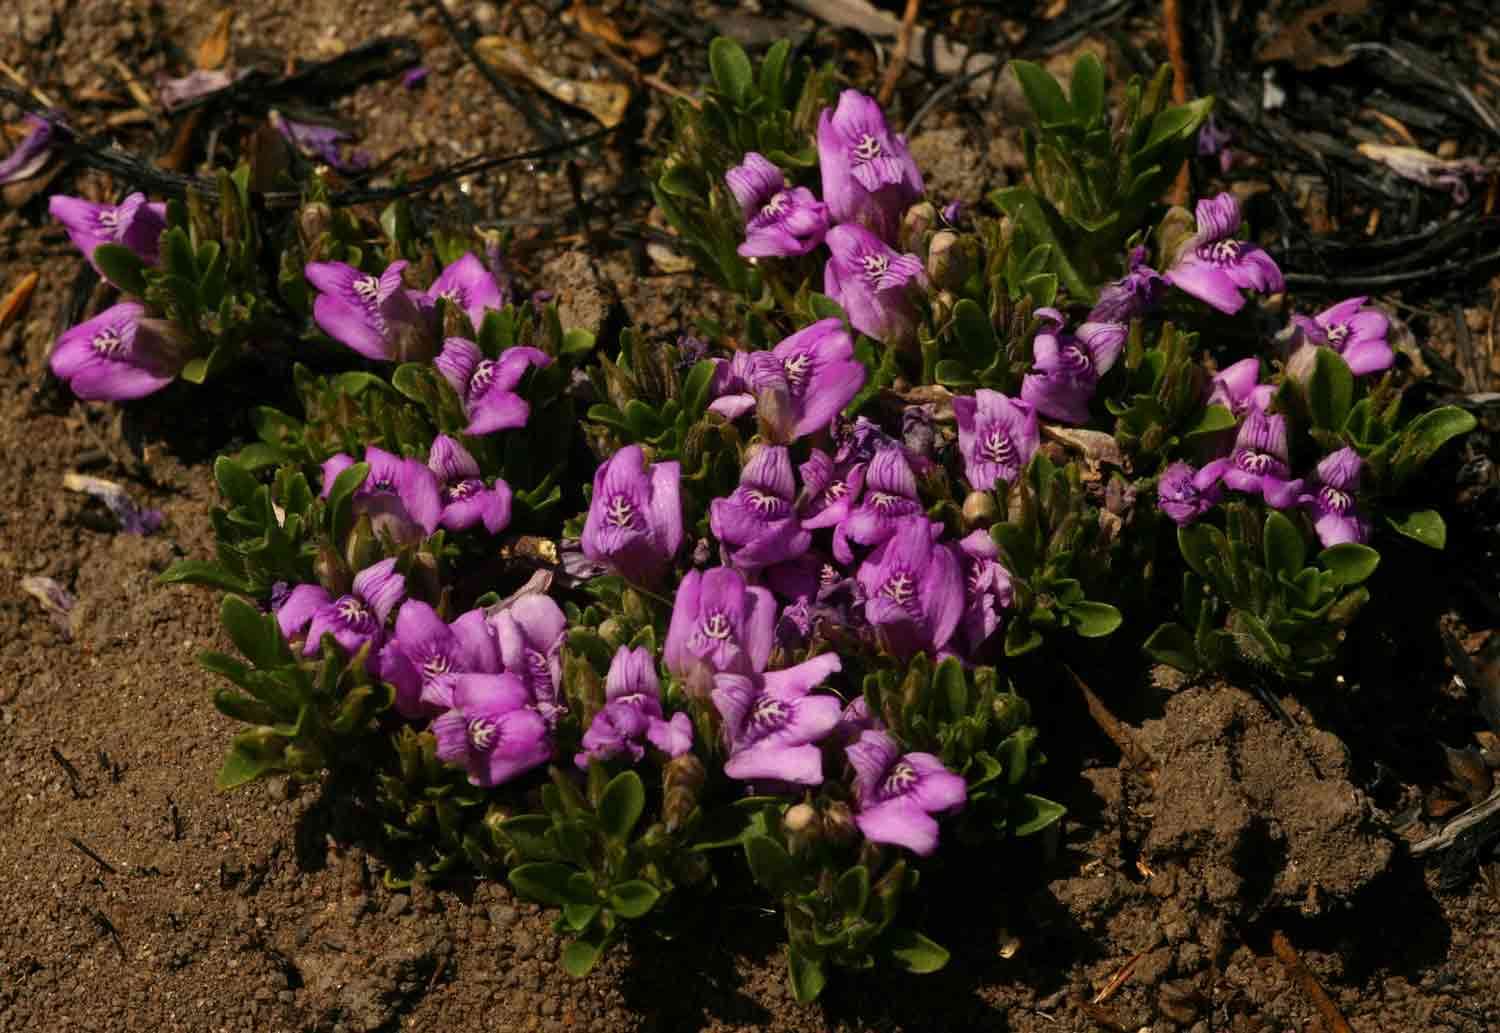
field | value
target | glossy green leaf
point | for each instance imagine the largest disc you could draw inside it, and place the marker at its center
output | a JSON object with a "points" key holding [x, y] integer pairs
{"points": [[1043, 94], [121, 267], [1087, 89], [1172, 644], [547, 883], [621, 805], [254, 634], [1330, 390], [915, 952], [1350, 563], [806, 975], [1034, 813], [202, 572], [1422, 525], [253, 754], [769, 862], [580, 956], [634, 898], [731, 70], [1285, 550], [1094, 620]]}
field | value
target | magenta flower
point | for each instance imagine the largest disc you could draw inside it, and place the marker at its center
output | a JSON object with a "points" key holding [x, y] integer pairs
{"points": [[997, 437], [352, 619], [1135, 294], [1213, 266], [1185, 494], [869, 176], [855, 721], [1353, 329], [1068, 368], [1332, 505], [870, 281], [491, 730], [719, 624], [733, 396], [1259, 464], [634, 523], [374, 315], [757, 525], [632, 713], [530, 633], [319, 142], [470, 285], [987, 589], [914, 590], [897, 795], [771, 721], [31, 155], [889, 500], [425, 651], [798, 387], [465, 499], [118, 355], [779, 222], [1237, 387], [134, 223], [400, 496], [829, 489], [485, 387]]}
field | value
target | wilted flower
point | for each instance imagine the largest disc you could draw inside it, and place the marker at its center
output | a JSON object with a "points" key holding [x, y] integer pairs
{"points": [[399, 495], [1068, 367], [530, 633], [771, 721], [55, 599], [1332, 504], [634, 523], [914, 590], [778, 222], [897, 795], [1185, 494], [870, 281], [485, 387], [1353, 329], [319, 142], [470, 285], [632, 712], [491, 729], [174, 93], [889, 500], [465, 498], [997, 436], [1135, 294], [118, 355], [719, 624], [134, 223], [757, 524], [1214, 140], [1259, 464], [31, 155], [1213, 266], [425, 651], [1237, 388], [374, 315], [1419, 166], [987, 589], [353, 619], [869, 176], [133, 519]]}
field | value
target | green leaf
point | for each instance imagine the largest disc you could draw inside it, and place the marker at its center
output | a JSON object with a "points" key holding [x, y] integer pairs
{"points": [[696, 387], [1094, 620], [580, 916], [1330, 390], [354, 383], [1177, 123], [202, 572], [1199, 544], [806, 975], [252, 754], [1043, 94], [1428, 433], [770, 864], [1172, 644], [121, 267], [577, 342], [580, 957], [621, 805], [953, 687], [235, 482], [547, 883], [1214, 419], [915, 952], [824, 307], [1087, 90], [1034, 813], [411, 380], [1420, 525], [1021, 638], [254, 634], [634, 898], [731, 70], [1285, 549], [1349, 563], [852, 892]]}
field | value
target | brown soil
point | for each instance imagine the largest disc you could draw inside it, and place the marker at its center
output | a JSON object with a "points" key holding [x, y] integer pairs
{"points": [[134, 897]]}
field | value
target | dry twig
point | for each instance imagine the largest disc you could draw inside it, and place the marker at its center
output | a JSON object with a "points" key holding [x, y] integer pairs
{"points": [[1333, 1020], [1111, 726], [1171, 12], [898, 56]]}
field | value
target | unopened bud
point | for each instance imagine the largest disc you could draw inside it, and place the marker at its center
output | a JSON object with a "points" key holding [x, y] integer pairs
{"points": [[980, 510], [918, 220], [947, 260], [613, 632], [799, 818], [682, 781], [332, 573], [314, 220], [838, 824]]}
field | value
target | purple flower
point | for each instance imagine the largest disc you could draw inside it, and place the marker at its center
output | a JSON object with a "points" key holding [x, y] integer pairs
{"points": [[1185, 494], [491, 730], [400, 496], [118, 355], [134, 223], [815, 375], [632, 712], [855, 721], [829, 489], [870, 280], [1237, 387], [470, 285], [485, 387], [897, 795], [757, 524], [1068, 367], [914, 590], [465, 498], [771, 721], [1135, 294], [425, 652], [779, 222], [530, 633], [869, 176], [634, 523], [352, 619], [1333, 503], [731, 390], [31, 155], [888, 502], [320, 142], [987, 589], [997, 436], [1213, 266], [719, 624], [1353, 329], [1258, 464], [1212, 140], [374, 315]]}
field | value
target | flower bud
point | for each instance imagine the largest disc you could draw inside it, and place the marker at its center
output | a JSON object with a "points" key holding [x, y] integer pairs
{"points": [[313, 220], [799, 818], [915, 224], [332, 573], [682, 781], [838, 824], [948, 260], [1302, 362], [363, 548], [980, 510], [614, 632]]}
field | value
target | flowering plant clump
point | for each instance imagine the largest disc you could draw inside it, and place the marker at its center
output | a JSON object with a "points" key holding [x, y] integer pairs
{"points": [[627, 620]]}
